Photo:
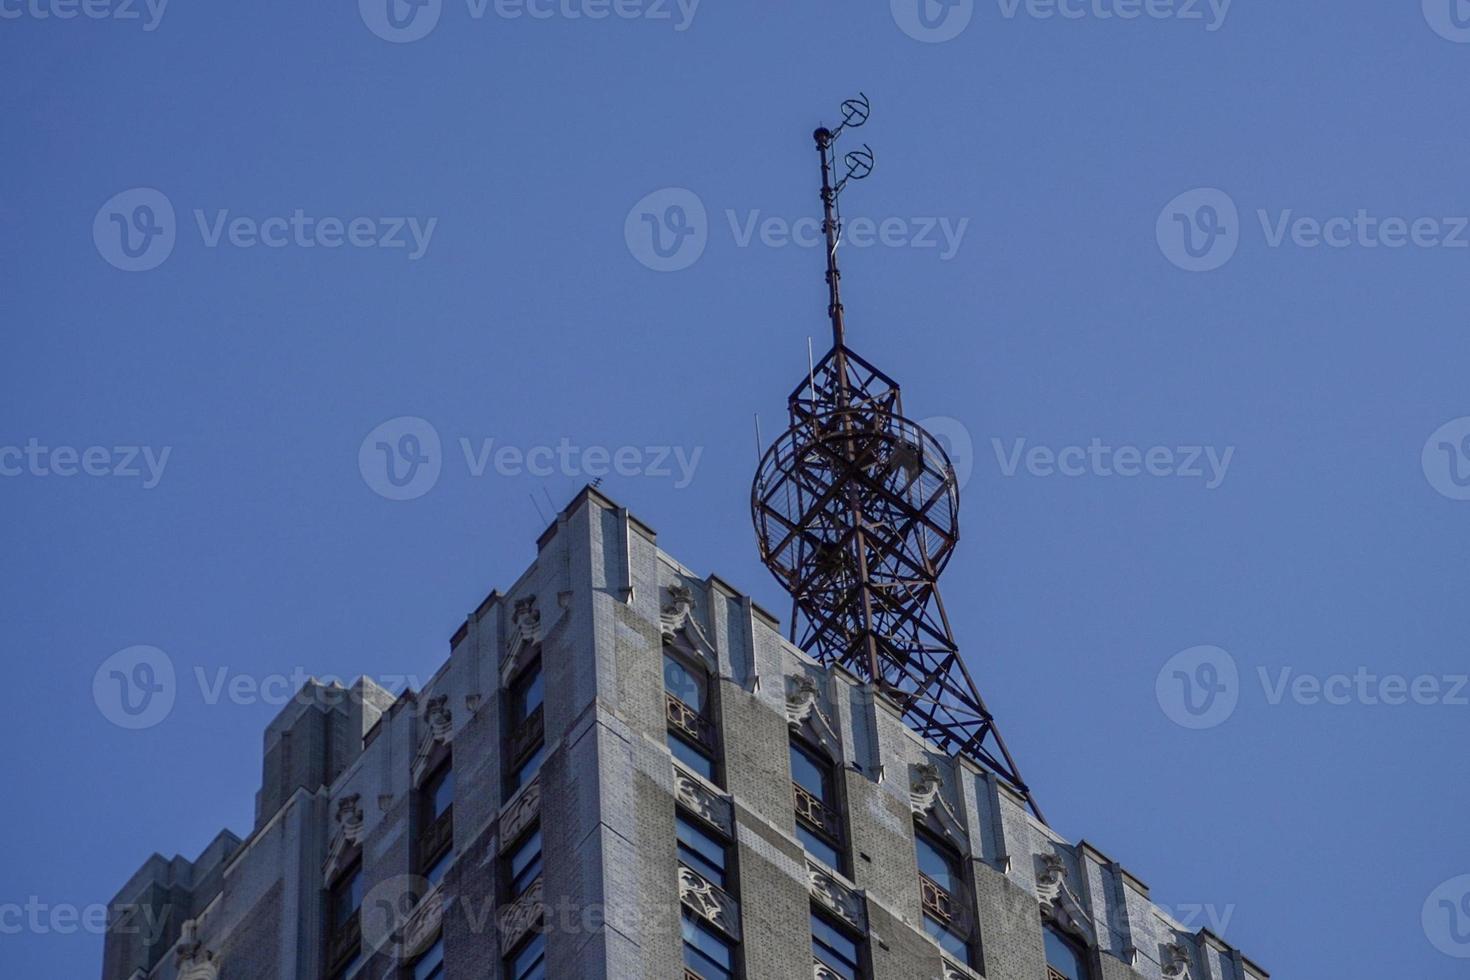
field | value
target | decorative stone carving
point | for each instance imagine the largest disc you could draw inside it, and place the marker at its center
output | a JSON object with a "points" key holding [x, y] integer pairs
{"points": [[698, 799], [1058, 902], [821, 971], [346, 835], [804, 712], [517, 918], [1176, 961], [681, 627], [439, 725], [928, 802], [709, 901], [422, 926], [194, 962], [522, 812], [525, 634], [677, 610], [953, 971], [836, 896]]}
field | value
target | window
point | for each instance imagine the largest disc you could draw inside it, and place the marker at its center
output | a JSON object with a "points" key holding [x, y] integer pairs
{"points": [[528, 693], [440, 791], [684, 682], [691, 758], [344, 927], [346, 896], [528, 961], [1064, 958], [524, 864], [940, 880], [706, 952], [702, 851], [686, 701], [430, 966], [525, 727], [436, 813], [838, 951], [817, 826], [938, 863]]}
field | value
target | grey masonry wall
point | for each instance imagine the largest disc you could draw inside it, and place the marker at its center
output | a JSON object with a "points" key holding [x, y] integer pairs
{"points": [[343, 768]]}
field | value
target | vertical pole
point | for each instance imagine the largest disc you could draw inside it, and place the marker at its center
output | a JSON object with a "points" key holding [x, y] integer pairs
{"points": [[871, 655]]}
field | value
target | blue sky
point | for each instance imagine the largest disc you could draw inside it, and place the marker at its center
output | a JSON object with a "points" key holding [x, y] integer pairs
{"points": [[1231, 233]]}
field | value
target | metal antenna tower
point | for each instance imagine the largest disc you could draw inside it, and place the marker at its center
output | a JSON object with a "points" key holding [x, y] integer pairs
{"points": [[856, 509]]}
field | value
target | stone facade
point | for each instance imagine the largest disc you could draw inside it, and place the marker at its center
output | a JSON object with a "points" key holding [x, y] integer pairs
{"points": [[345, 775]]}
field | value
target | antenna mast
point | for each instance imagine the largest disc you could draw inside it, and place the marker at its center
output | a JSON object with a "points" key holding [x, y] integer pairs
{"points": [[856, 509]]}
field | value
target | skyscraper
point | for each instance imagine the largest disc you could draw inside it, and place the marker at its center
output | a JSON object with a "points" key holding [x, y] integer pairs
{"points": [[625, 771]]}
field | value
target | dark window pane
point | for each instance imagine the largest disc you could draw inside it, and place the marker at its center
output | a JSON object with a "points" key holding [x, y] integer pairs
{"points": [[818, 847], [691, 758], [937, 863], [706, 953], [529, 768], [683, 682], [431, 964], [529, 962], [346, 896], [701, 851], [435, 874], [525, 864], [950, 941], [528, 694], [811, 774], [835, 948], [441, 791], [1063, 956]]}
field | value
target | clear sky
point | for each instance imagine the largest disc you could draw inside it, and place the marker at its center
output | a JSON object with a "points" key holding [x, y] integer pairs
{"points": [[1321, 549]]}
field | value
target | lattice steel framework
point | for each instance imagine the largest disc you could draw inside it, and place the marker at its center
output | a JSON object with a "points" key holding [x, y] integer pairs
{"points": [[857, 512]]}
